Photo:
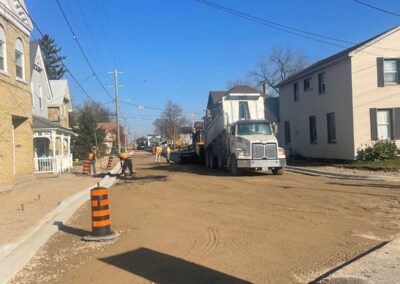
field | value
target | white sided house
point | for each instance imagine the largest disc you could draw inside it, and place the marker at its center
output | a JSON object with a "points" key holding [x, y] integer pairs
{"points": [[345, 102], [51, 141]]}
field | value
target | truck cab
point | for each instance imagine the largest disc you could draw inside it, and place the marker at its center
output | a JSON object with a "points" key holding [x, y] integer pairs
{"points": [[253, 145]]}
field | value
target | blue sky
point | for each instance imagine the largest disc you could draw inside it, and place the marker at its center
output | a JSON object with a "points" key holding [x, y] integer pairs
{"points": [[179, 50]]}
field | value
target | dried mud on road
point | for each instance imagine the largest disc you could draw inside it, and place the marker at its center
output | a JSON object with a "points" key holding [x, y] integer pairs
{"points": [[187, 224]]}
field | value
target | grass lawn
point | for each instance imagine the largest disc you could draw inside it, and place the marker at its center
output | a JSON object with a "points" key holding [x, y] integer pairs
{"points": [[391, 165]]}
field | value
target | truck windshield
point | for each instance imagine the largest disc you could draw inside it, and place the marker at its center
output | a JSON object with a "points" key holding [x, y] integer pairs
{"points": [[254, 128]]}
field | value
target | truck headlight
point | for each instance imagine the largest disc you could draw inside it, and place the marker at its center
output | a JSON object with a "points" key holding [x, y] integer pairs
{"points": [[281, 152], [242, 153]]}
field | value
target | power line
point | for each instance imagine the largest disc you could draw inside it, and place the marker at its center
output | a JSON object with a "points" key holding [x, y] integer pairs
{"points": [[377, 8], [81, 49], [278, 26], [288, 29], [76, 81]]}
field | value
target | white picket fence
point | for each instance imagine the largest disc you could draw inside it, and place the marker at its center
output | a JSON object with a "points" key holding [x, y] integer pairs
{"points": [[56, 165]]}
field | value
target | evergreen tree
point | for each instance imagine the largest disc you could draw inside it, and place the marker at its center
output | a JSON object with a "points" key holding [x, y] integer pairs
{"points": [[86, 135], [52, 61]]}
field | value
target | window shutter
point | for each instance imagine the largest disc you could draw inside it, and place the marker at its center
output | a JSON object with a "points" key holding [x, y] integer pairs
{"points": [[398, 71], [396, 123], [379, 65], [374, 124]]}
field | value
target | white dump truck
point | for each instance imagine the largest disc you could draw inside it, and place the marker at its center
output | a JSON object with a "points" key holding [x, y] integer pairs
{"points": [[237, 135]]}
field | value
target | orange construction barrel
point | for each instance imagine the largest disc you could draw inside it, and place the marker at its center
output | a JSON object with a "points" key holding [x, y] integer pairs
{"points": [[101, 223]]}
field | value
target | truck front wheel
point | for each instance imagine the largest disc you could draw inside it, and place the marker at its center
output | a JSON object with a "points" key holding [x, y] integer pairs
{"points": [[277, 171], [235, 171]]}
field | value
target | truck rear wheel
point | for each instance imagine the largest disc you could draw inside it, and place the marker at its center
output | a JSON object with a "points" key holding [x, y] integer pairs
{"points": [[207, 158], [220, 161], [212, 160], [277, 171], [235, 171]]}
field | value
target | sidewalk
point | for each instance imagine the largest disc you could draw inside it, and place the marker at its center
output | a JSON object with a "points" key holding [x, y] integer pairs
{"points": [[28, 202], [379, 266], [338, 171]]}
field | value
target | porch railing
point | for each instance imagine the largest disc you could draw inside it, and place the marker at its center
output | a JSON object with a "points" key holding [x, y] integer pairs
{"points": [[56, 165]]}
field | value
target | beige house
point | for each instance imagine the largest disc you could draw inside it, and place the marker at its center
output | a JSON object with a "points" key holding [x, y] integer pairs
{"points": [[51, 141], [345, 102], [60, 105], [16, 143]]}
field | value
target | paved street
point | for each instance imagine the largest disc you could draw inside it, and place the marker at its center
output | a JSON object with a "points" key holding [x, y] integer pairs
{"points": [[188, 224]]}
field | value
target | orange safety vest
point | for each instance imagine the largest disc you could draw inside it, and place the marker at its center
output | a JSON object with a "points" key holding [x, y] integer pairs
{"points": [[91, 156]]}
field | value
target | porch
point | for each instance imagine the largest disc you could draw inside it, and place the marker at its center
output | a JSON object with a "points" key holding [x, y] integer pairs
{"points": [[52, 147]]}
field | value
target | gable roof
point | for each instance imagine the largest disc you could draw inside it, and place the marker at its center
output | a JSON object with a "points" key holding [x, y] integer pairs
{"points": [[110, 127], [336, 57], [43, 123], [214, 97], [60, 92], [33, 47], [243, 89]]}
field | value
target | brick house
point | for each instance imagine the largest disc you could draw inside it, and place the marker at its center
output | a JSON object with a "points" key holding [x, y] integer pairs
{"points": [[16, 143], [345, 102]]}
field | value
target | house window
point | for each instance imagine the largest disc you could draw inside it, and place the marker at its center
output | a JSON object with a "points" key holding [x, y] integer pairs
{"points": [[2, 50], [296, 95], [321, 83], [40, 97], [331, 127], [307, 84], [384, 123], [313, 129], [390, 71], [244, 112], [287, 133], [19, 59]]}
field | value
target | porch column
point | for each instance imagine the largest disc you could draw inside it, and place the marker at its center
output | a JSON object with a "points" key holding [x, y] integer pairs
{"points": [[69, 145], [53, 142], [62, 145]]}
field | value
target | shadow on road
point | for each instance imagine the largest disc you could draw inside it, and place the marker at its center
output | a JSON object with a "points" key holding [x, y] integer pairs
{"points": [[70, 230], [162, 268]]}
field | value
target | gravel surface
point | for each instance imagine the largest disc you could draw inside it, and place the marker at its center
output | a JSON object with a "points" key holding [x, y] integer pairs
{"points": [[188, 224]]}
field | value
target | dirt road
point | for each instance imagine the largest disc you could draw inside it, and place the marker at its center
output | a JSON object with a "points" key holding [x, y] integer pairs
{"points": [[187, 224]]}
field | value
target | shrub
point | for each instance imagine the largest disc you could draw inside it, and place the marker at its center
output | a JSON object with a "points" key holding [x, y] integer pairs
{"points": [[380, 151]]}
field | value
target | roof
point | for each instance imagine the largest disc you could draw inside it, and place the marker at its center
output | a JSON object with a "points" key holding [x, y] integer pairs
{"points": [[33, 46], [214, 97], [334, 58], [108, 126], [60, 92], [243, 89], [39, 122]]}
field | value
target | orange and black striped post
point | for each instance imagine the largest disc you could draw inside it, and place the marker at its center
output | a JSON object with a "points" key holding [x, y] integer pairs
{"points": [[110, 160], [86, 167], [101, 223]]}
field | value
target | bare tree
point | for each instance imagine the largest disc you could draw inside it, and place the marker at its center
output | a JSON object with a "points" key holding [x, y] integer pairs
{"points": [[277, 65], [171, 120]]}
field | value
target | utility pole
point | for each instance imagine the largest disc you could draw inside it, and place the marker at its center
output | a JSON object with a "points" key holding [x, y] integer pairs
{"points": [[115, 72]]}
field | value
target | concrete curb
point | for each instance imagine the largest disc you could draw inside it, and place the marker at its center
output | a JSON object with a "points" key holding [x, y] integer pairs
{"points": [[303, 171], [14, 256]]}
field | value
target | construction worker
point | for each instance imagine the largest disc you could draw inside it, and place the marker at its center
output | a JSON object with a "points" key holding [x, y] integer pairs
{"points": [[92, 158], [126, 162], [168, 151], [158, 151]]}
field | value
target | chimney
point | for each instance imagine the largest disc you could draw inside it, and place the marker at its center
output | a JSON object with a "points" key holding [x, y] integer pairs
{"points": [[265, 87]]}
